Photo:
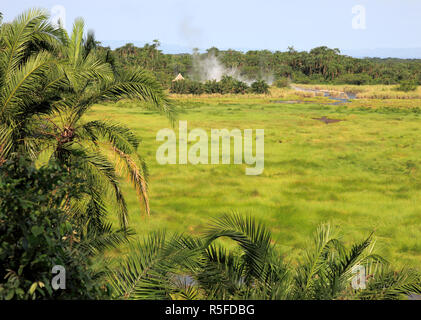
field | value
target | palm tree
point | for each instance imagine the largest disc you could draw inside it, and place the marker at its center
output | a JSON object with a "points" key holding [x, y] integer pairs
{"points": [[185, 267], [48, 81], [27, 47], [75, 141]]}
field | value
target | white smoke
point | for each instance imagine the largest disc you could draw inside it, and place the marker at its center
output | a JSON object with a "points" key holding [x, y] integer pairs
{"points": [[189, 33], [211, 68]]}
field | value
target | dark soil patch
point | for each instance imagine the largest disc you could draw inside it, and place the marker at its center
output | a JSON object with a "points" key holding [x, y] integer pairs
{"points": [[291, 101], [327, 120]]}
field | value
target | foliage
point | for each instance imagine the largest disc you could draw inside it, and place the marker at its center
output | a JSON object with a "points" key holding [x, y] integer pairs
{"points": [[407, 86], [36, 234], [186, 267], [180, 87], [232, 85], [50, 80], [287, 199], [45, 94], [25, 87], [281, 83], [212, 87], [195, 88], [227, 85], [355, 79], [187, 87], [259, 87], [319, 65]]}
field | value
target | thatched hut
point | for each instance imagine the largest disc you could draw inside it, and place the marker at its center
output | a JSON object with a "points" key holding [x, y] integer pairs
{"points": [[178, 78]]}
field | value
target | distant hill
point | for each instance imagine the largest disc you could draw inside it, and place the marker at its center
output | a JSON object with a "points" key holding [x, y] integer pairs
{"points": [[401, 53]]}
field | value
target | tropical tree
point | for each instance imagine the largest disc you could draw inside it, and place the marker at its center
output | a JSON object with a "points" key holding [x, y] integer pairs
{"points": [[48, 81], [185, 267], [37, 234], [89, 80], [27, 48]]}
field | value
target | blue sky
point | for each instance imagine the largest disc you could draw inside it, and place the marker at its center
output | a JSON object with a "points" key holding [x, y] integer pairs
{"points": [[244, 24]]}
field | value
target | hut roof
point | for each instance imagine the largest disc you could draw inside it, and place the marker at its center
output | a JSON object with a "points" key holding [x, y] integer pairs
{"points": [[179, 78]]}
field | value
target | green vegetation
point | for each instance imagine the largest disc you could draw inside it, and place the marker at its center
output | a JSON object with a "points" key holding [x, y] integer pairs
{"points": [[362, 173], [37, 234], [407, 86], [282, 83], [227, 85], [72, 112], [45, 96], [260, 87], [49, 80], [320, 65], [186, 267]]}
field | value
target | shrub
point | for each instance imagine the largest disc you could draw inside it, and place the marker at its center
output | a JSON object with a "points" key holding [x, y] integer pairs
{"points": [[260, 87], [281, 83], [240, 87], [299, 77], [317, 78], [179, 87], [211, 87], [226, 86], [407, 86], [195, 87], [355, 79], [187, 87], [36, 234], [231, 85]]}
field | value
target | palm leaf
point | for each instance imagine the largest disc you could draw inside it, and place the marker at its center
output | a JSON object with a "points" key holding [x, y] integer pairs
{"points": [[253, 238], [139, 276]]}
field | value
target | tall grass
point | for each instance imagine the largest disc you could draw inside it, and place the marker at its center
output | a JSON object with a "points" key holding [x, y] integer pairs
{"points": [[370, 91], [361, 174]]}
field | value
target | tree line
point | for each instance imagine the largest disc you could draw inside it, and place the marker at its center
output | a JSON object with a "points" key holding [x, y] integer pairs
{"points": [[319, 65]]}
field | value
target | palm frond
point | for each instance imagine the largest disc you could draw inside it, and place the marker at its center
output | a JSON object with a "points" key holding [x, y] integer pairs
{"points": [[124, 144], [383, 283], [140, 276], [315, 261], [30, 29], [18, 90], [138, 176], [222, 273], [16, 37], [253, 238], [97, 240], [6, 142], [118, 135], [98, 170], [141, 85], [75, 43], [340, 271]]}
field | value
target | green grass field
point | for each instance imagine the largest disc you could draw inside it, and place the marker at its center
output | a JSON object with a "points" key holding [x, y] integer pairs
{"points": [[361, 174]]}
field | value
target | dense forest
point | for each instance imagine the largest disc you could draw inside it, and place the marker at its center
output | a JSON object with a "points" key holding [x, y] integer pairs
{"points": [[320, 65]]}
